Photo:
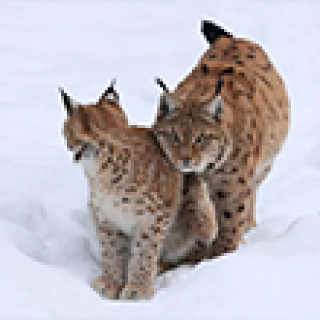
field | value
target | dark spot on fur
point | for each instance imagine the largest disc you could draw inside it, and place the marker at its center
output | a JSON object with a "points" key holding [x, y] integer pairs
{"points": [[235, 153], [227, 214], [210, 166], [116, 169], [167, 203], [110, 149], [241, 223], [140, 201], [241, 180], [104, 165], [219, 157], [145, 236], [227, 70], [117, 179], [221, 194], [160, 219], [151, 209], [204, 68], [125, 200], [266, 68]]}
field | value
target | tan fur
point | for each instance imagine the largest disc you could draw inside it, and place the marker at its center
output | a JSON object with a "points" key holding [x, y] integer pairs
{"points": [[134, 200], [239, 147]]}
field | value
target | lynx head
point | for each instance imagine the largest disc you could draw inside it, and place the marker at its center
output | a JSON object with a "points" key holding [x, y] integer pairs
{"points": [[85, 122], [192, 134]]}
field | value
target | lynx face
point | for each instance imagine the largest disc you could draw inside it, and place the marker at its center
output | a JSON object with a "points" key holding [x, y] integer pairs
{"points": [[78, 132], [192, 137], [83, 122]]}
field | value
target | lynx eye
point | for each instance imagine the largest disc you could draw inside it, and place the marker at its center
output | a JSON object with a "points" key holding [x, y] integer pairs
{"points": [[176, 137], [202, 139]]}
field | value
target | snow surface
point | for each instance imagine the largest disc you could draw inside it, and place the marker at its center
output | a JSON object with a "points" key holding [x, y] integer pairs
{"points": [[48, 252]]}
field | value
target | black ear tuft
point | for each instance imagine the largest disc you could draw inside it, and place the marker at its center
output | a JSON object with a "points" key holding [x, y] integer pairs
{"points": [[110, 93], [66, 100], [161, 84], [213, 32]]}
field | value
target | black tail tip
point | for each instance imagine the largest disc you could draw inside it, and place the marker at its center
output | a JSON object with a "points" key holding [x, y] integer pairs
{"points": [[212, 32]]}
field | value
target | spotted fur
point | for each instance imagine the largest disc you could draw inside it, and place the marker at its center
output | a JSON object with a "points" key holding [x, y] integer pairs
{"points": [[134, 199], [226, 120]]}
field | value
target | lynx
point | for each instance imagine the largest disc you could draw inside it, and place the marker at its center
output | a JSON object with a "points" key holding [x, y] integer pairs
{"points": [[226, 122], [135, 197]]}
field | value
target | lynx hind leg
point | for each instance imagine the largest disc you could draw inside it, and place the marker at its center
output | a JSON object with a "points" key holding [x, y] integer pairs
{"points": [[261, 174], [200, 210], [113, 248], [252, 223], [145, 256]]}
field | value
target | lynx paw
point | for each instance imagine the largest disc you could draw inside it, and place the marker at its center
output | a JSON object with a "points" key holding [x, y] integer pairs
{"points": [[105, 290], [137, 293]]}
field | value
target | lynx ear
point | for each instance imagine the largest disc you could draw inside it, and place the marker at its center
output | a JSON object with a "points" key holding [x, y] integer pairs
{"points": [[68, 102], [213, 32], [215, 108], [110, 93], [167, 104]]}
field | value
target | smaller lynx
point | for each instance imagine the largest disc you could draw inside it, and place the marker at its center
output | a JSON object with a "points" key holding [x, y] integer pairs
{"points": [[135, 197]]}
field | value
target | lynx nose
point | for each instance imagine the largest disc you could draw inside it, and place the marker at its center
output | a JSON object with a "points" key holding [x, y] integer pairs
{"points": [[186, 162]]}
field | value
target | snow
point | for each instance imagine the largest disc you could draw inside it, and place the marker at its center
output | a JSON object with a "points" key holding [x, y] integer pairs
{"points": [[48, 249]]}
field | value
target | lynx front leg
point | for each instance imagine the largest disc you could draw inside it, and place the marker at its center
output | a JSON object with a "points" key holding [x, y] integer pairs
{"points": [[143, 265], [200, 210], [113, 246], [233, 204]]}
